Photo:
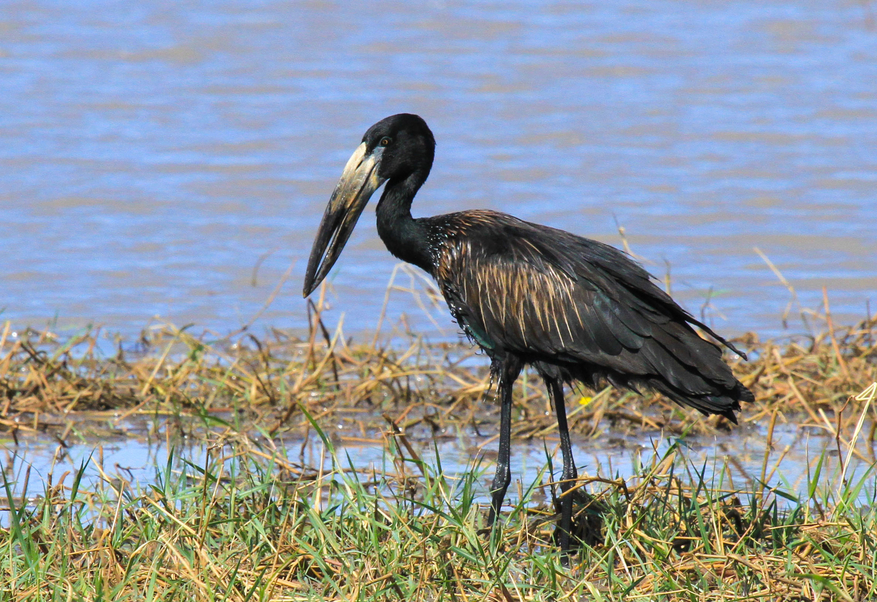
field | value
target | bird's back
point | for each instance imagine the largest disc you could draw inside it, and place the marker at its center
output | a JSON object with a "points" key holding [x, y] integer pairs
{"points": [[575, 307]]}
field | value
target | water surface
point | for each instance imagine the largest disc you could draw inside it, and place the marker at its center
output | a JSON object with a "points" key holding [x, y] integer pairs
{"points": [[738, 461], [153, 152]]}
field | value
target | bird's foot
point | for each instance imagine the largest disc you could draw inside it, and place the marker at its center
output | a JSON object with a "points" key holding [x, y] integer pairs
{"points": [[587, 523]]}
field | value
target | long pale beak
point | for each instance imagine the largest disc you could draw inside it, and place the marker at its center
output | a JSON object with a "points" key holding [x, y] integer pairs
{"points": [[358, 182]]}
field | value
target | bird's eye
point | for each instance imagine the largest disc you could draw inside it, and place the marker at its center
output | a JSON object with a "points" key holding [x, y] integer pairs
{"points": [[385, 141]]}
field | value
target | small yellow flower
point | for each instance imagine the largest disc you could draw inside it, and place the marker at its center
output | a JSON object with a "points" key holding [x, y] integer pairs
{"points": [[585, 400]]}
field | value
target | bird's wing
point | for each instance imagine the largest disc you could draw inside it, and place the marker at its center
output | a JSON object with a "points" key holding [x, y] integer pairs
{"points": [[546, 293]]}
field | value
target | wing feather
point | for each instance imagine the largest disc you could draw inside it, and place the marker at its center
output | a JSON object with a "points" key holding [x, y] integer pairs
{"points": [[552, 297]]}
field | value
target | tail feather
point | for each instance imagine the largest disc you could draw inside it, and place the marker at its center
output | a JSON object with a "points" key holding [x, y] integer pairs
{"points": [[725, 404], [718, 399]]}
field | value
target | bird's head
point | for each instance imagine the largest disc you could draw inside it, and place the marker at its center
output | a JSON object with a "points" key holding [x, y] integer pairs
{"points": [[395, 149]]}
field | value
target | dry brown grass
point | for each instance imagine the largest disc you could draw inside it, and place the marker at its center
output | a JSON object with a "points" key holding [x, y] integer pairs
{"points": [[45, 380]]}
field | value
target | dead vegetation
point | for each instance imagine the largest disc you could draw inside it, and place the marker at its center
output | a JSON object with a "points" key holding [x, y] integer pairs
{"points": [[269, 380]]}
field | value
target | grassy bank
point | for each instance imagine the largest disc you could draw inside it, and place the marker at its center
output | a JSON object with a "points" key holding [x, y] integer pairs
{"points": [[248, 523], [243, 527]]}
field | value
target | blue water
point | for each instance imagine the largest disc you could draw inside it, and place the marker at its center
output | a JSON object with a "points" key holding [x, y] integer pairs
{"points": [[731, 462], [153, 152]]}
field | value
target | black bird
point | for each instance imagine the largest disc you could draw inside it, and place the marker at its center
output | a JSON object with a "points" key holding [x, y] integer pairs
{"points": [[573, 308]]}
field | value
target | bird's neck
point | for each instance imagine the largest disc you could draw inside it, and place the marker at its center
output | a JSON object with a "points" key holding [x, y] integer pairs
{"points": [[404, 236]]}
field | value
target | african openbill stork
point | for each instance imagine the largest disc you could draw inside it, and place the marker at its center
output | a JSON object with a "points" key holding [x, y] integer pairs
{"points": [[574, 309]]}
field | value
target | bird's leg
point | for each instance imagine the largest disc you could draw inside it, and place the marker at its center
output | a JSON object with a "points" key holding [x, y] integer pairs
{"points": [[568, 478], [508, 370]]}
